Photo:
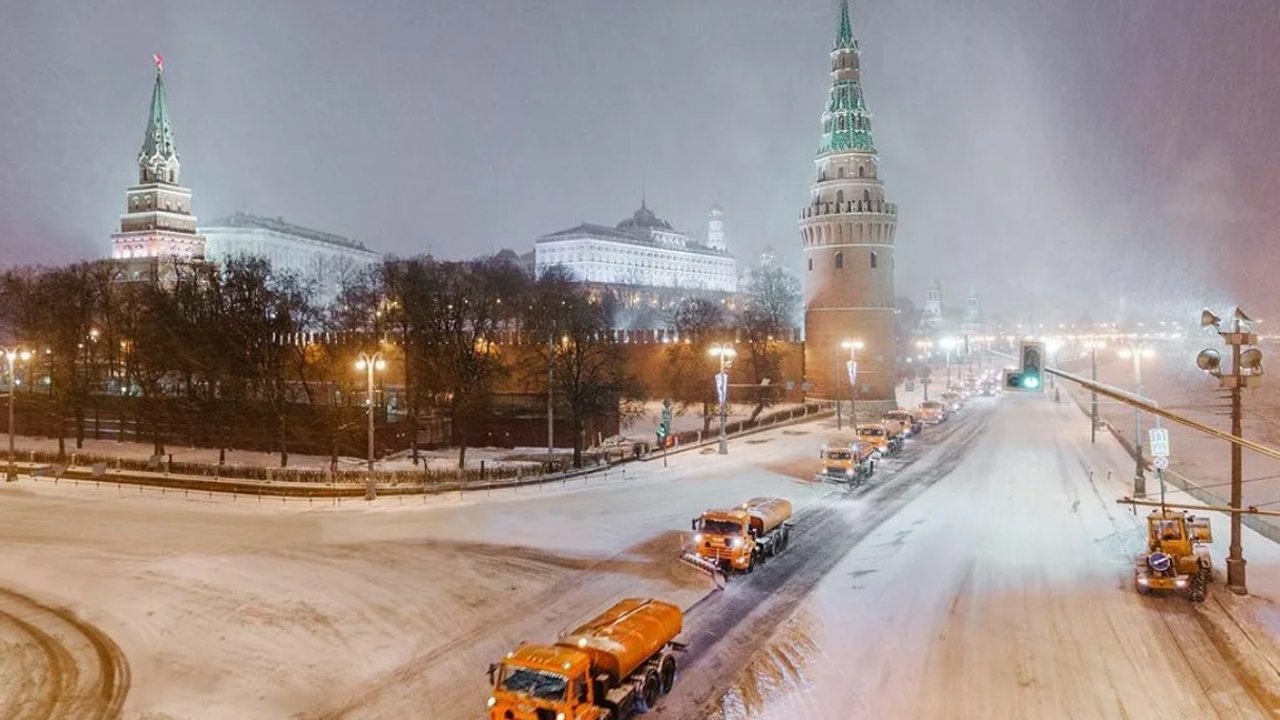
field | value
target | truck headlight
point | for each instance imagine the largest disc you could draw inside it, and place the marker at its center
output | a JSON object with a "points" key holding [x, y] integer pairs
{"points": [[698, 538], [559, 716], [491, 701], [733, 542]]}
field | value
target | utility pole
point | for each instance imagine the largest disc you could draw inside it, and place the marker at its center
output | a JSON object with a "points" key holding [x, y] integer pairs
{"points": [[1093, 403], [1235, 555], [12, 356], [1138, 351], [726, 353], [1246, 370]]}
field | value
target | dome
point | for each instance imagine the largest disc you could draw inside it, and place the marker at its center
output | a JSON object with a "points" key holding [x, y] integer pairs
{"points": [[644, 220]]}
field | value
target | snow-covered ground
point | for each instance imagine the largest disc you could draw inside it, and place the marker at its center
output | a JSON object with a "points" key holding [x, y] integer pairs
{"points": [[1005, 591], [980, 574]]}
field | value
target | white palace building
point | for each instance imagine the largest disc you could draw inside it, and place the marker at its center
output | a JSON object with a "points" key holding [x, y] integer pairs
{"points": [[642, 250]]}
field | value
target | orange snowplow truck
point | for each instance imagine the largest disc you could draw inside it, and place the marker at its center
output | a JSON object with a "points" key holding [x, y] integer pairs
{"points": [[741, 538], [616, 665]]}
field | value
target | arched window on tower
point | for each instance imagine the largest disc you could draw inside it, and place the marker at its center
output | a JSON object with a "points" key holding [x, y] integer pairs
{"points": [[840, 172], [874, 260], [862, 171], [839, 261], [810, 264], [840, 194], [866, 198]]}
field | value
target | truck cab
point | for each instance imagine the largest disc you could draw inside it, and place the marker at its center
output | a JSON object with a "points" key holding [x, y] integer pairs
{"points": [[932, 412], [725, 538], [879, 437], [543, 682], [847, 459], [905, 419]]}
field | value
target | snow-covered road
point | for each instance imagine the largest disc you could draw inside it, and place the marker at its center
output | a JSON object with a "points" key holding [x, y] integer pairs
{"points": [[1005, 591], [981, 574]]}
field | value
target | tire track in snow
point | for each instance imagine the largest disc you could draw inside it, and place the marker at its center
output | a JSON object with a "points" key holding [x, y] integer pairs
{"points": [[83, 673]]}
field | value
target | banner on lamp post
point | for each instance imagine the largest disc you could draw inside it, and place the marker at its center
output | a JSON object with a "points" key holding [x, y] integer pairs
{"points": [[722, 386], [852, 367]]}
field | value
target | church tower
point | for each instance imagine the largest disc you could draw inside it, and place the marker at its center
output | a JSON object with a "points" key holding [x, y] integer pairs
{"points": [[715, 228], [158, 222], [931, 316], [847, 230]]}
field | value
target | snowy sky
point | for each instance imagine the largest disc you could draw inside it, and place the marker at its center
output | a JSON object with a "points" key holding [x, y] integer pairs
{"points": [[1061, 150]]}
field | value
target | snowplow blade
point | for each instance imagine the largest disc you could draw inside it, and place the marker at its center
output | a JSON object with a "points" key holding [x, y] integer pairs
{"points": [[696, 561]]}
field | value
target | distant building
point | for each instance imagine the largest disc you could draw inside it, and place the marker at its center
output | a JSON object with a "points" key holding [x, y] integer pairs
{"points": [[931, 316], [971, 323], [642, 250], [157, 224], [309, 254]]}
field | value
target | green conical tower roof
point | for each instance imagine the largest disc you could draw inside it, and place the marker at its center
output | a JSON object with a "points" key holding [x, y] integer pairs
{"points": [[844, 33], [846, 124], [158, 142]]}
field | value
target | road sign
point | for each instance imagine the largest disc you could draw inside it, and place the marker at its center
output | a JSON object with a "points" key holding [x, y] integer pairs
{"points": [[1158, 439], [666, 413], [852, 367], [1161, 462]]}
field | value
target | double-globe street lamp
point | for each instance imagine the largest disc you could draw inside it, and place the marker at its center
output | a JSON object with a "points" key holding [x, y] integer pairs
{"points": [[726, 353], [368, 363], [927, 347], [12, 356], [1138, 352], [851, 367]]}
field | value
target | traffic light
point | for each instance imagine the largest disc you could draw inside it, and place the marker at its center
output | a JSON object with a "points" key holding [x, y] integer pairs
{"points": [[1029, 375], [1031, 355]]}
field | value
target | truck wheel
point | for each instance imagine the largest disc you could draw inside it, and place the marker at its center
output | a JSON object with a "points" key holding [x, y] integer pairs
{"points": [[667, 673], [648, 689]]}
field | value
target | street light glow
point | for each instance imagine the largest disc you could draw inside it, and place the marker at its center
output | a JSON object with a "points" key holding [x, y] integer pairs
{"points": [[723, 351], [948, 343], [852, 344]]}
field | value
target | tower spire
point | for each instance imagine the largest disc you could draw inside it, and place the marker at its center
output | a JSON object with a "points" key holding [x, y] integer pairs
{"points": [[844, 32], [643, 188], [158, 159], [846, 124]]}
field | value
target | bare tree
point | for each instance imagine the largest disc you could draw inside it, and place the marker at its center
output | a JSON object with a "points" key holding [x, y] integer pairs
{"points": [[690, 370], [770, 307]]}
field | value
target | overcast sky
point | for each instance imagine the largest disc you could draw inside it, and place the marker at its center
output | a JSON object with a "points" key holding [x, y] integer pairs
{"points": [[1055, 150]]}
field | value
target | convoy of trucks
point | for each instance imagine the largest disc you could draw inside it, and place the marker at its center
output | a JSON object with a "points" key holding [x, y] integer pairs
{"points": [[740, 538], [614, 666], [623, 660]]}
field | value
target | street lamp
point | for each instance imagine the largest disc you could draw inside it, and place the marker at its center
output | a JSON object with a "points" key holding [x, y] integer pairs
{"points": [[368, 363], [948, 344], [12, 356], [1138, 352], [726, 353], [927, 347], [853, 346]]}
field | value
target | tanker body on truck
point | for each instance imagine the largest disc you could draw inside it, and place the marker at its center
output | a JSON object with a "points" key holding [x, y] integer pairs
{"points": [[741, 538], [616, 665]]}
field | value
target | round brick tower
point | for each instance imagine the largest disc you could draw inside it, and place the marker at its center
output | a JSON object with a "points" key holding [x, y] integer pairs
{"points": [[847, 230]]}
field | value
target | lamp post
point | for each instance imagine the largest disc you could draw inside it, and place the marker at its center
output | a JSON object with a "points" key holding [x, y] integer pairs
{"points": [[853, 346], [1137, 351], [368, 363], [948, 344], [12, 356], [1093, 346], [1246, 371], [927, 347], [726, 353]]}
